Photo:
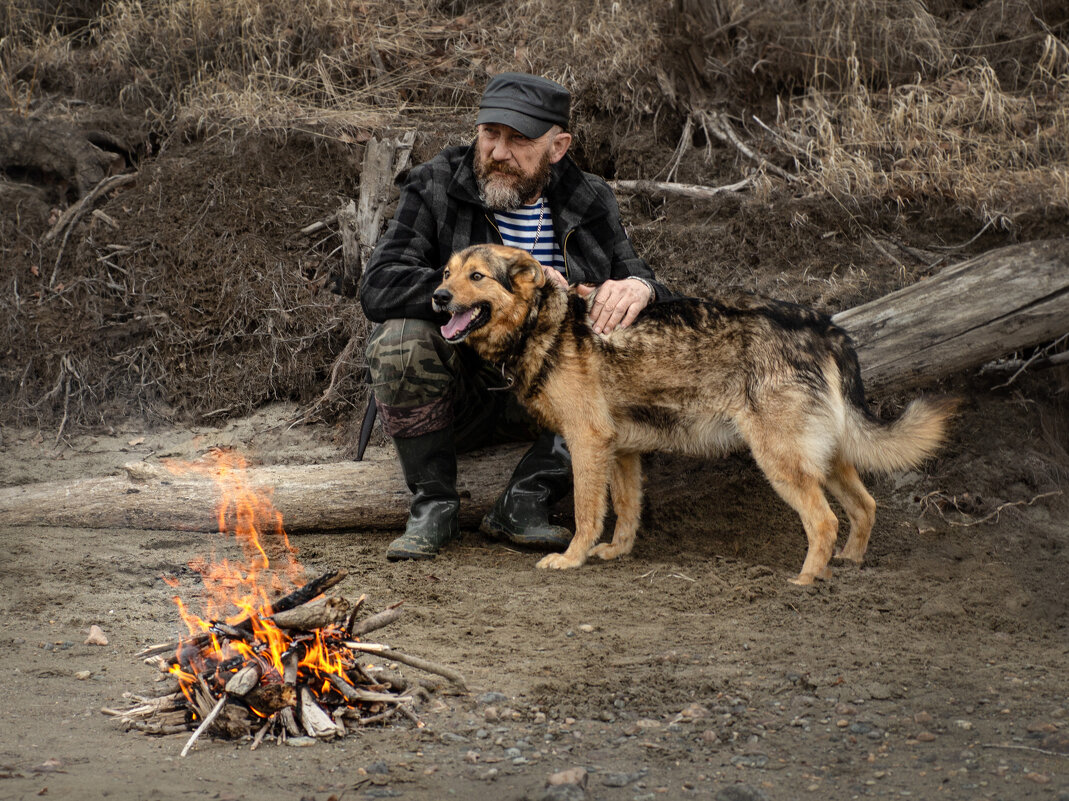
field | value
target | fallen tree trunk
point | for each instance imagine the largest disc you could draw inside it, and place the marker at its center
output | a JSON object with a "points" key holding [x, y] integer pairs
{"points": [[962, 317], [343, 496], [968, 314]]}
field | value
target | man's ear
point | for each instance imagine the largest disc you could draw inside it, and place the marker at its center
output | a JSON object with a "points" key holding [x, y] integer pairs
{"points": [[527, 266], [559, 146]]}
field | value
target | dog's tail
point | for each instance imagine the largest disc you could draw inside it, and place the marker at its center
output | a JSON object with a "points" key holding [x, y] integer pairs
{"points": [[889, 445]]}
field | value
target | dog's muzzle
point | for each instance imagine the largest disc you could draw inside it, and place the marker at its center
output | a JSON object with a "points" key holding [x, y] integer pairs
{"points": [[441, 299]]}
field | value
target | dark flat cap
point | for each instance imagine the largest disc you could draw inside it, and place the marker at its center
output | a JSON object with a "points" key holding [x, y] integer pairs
{"points": [[528, 103]]}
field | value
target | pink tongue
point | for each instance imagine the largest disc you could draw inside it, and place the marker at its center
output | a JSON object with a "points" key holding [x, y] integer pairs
{"points": [[458, 322]]}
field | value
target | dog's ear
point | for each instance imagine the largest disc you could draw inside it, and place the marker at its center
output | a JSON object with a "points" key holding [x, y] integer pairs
{"points": [[524, 265]]}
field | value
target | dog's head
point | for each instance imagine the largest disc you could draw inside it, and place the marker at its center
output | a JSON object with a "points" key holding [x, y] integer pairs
{"points": [[488, 291]]}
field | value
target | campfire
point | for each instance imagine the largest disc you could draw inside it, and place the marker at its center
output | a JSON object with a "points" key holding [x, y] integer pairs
{"points": [[269, 656]]}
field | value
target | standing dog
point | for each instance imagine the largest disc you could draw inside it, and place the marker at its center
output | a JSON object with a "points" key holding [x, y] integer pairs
{"points": [[689, 376]]}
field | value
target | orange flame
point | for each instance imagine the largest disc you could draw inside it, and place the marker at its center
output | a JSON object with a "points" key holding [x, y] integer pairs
{"points": [[241, 593]]}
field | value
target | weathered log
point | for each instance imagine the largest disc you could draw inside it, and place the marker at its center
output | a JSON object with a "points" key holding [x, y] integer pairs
{"points": [[377, 621], [344, 496], [964, 316], [316, 722], [1003, 301], [242, 682], [315, 614]]}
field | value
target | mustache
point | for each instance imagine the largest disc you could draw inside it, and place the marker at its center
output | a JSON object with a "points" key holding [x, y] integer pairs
{"points": [[500, 168]]}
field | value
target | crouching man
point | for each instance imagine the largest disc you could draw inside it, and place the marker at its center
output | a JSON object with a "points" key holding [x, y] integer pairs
{"points": [[514, 185]]}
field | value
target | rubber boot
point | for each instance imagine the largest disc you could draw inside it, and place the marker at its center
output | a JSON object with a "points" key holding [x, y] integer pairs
{"points": [[429, 463], [521, 514]]}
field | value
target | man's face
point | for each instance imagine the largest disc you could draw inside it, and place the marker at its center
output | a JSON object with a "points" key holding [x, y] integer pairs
{"points": [[510, 168]]}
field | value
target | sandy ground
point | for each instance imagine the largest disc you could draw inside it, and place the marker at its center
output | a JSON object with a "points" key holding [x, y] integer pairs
{"points": [[691, 669]]}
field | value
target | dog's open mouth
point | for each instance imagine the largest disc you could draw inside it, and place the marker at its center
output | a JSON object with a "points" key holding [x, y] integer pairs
{"points": [[463, 323]]}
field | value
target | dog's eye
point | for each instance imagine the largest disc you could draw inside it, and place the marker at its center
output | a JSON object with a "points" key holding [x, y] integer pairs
{"points": [[477, 276], [445, 274]]}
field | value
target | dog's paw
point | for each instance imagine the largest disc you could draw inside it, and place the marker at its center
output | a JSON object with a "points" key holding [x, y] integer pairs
{"points": [[805, 579], [558, 561], [606, 550]]}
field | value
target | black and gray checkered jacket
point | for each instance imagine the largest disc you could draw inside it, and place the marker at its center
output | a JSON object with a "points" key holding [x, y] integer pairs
{"points": [[439, 213]]}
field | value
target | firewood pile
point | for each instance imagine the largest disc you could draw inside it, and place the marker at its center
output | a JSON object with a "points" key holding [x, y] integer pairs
{"points": [[302, 670]]}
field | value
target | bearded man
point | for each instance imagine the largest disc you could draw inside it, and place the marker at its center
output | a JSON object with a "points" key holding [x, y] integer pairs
{"points": [[514, 185]]}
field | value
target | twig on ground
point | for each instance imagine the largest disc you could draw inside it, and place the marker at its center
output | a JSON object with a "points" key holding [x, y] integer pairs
{"points": [[930, 500], [1026, 748]]}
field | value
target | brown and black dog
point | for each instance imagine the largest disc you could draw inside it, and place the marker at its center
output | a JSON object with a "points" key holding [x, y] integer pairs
{"points": [[689, 376]]}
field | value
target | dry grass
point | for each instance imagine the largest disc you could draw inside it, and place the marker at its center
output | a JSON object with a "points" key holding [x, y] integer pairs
{"points": [[898, 107], [332, 67]]}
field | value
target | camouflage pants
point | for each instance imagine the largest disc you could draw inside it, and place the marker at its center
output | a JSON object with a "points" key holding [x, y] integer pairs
{"points": [[422, 384]]}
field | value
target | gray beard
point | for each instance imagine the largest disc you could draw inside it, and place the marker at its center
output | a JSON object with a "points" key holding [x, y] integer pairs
{"points": [[498, 196]]}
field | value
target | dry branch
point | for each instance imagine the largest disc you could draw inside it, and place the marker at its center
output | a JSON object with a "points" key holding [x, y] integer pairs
{"points": [[683, 190]]}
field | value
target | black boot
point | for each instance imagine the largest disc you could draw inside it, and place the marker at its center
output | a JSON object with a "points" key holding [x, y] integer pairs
{"points": [[521, 514], [429, 463]]}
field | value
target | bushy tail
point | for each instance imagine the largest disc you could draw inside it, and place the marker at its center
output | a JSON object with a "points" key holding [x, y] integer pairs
{"points": [[887, 446]]}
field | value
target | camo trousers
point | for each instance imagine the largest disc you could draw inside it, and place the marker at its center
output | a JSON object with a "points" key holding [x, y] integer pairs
{"points": [[423, 384]]}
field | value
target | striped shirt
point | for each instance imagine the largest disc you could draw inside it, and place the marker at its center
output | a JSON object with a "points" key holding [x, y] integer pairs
{"points": [[520, 229]]}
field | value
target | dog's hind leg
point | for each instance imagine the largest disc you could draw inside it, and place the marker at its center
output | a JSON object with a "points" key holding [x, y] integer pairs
{"points": [[845, 484], [625, 483], [801, 489], [590, 471]]}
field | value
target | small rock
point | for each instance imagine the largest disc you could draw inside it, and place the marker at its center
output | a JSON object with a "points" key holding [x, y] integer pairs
{"points": [[491, 714], [619, 779], [1038, 778], [471, 757], [692, 712], [492, 698], [880, 692], [82, 675], [96, 636], [926, 737], [964, 725], [922, 719], [379, 768], [740, 792], [301, 742], [560, 792], [585, 628], [575, 776]]}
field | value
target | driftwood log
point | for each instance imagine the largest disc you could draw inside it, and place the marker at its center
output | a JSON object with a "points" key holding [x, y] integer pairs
{"points": [[344, 496], [998, 303], [963, 316]]}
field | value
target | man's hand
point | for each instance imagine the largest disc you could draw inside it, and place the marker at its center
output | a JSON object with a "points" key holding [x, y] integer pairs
{"points": [[616, 304]]}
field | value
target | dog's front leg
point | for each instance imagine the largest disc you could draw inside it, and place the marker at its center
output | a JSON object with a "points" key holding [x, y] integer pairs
{"points": [[626, 485], [590, 469]]}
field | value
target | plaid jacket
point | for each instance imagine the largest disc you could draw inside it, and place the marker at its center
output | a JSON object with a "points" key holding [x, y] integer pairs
{"points": [[440, 212]]}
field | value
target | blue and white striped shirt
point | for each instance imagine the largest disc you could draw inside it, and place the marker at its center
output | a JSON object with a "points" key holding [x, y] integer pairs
{"points": [[519, 229]]}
